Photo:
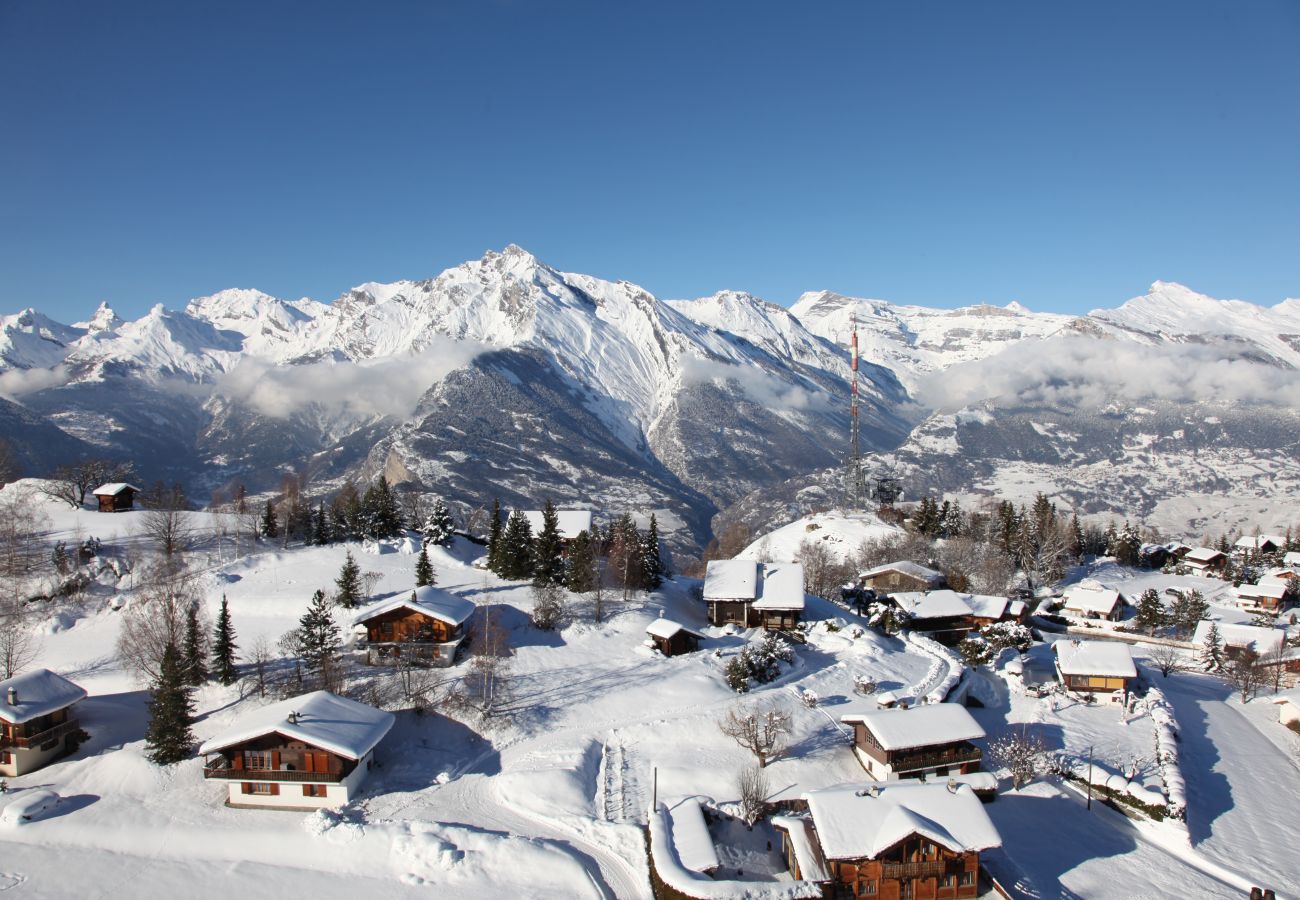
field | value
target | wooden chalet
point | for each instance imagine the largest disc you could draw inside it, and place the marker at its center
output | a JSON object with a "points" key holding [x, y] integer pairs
{"points": [[1093, 601], [37, 725], [1095, 667], [743, 592], [1237, 639], [306, 752], [930, 741], [1205, 561], [570, 522], [672, 638], [116, 497], [427, 626], [900, 840], [944, 615], [1259, 543], [901, 576]]}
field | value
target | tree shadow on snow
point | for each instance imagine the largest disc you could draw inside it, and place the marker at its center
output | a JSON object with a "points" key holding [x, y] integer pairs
{"points": [[419, 748], [112, 720], [1209, 792]]}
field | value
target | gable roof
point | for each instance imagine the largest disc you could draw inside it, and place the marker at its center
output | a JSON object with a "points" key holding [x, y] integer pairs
{"points": [[570, 522], [323, 720], [1274, 589], [1254, 542], [932, 604], [1109, 658], [863, 821], [1291, 558], [987, 606], [666, 628], [906, 567], [1091, 599], [40, 692], [1203, 555], [781, 587], [430, 600], [113, 489], [731, 579], [1261, 640], [920, 726]]}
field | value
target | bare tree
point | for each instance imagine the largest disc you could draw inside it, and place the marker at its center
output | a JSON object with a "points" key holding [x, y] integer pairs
{"points": [[9, 466], [369, 581], [758, 729], [19, 644], [21, 551], [1273, 662], [1168, 659], [70, 483], [155, 617], [1022, 752], [1243, 673], [549, 608], [821, 574], [260, 656], [170, 529], [490, 668], [751, 783]]}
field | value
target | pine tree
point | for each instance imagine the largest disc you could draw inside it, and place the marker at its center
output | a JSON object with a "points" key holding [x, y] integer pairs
{"points": [[1150, 611], [625, 564], [1211, 653], [494, 538], [424, 569], [193, 657], [317, 638], [345, 514], [349, 583], [516, 548], [320, 527], [439, 527], [270, 525], [548, 550], [652, 566], [1077, 541], [380, 515], [223, 646], [580, 572], [171, 712]]}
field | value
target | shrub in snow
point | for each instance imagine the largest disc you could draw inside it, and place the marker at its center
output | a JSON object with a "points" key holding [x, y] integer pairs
{"points": [[1001, 635], [974, 651], [549, 609], [865, 685], [760, 663], [736, 673], [887, 617], [809, 698], [751, 784]]}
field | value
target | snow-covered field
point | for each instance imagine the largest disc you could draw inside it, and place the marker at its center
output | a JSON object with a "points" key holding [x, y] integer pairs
{"points": [[548, 799]]}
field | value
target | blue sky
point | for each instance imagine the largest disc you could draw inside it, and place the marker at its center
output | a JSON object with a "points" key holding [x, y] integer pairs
{"points": [[1061, 155]]}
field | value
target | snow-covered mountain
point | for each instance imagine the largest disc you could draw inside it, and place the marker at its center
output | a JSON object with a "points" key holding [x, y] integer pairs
{"points": [[505, 377]]}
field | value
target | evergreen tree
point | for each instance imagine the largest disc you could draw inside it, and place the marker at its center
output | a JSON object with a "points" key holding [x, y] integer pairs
{"points": [[438, 527], [424, 569], [580, 572], [954, 520], [1188, 609], [380, 515], [1150, 611], [349, 583], [317, 638], [516, 551], [494, 538], [345, 514], [1211, 653], [270, 525], [194, 654], [171, 712], [1078, 543], [548, 550], [223, 646], [652, 566], [241, 499], [320, 527], [1112, 539], [625, 564]]}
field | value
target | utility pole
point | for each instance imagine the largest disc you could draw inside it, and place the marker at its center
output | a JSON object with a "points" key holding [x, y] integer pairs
{"points": [[1089, 806]]}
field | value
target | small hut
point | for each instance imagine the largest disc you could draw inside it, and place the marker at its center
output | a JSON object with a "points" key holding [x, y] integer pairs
{"points": [[116, 497], [672, 638]]}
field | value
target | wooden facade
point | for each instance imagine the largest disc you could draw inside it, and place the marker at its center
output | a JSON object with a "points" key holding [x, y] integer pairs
{"points": [[274, 765], [682, 642], [408, 633], [937, 760], [744, 614], [893, 581], [1107, 684], [916, 868], [121, 501], [30, 745]]}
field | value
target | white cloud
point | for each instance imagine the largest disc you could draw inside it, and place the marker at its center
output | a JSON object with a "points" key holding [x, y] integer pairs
{"points": [[762, 387], [16, 383], [1091, 372], [389, 387]]}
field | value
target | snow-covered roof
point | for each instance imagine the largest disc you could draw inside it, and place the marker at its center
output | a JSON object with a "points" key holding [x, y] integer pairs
{"points": [[322, 719], [1261, 640], [863, 821], [781, 587], [1098, 599], [1016, 608], [571, 522], [40, 693], [1254, 542], [986, 606], [666, 628], [1108, 658], [430, 600], [920, 726], [113, 489], [691, 837], [932, 604], [731, 579], [906, 567], [1202, 555], [803, 840], [1272, 589], [1292, 696], [1292, 558]]}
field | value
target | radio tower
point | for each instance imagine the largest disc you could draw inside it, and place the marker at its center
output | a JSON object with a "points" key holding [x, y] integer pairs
{"points": [[857, 479]]}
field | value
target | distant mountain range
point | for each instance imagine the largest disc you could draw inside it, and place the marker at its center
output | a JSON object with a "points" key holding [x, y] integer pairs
{"points": [[504, 377]]}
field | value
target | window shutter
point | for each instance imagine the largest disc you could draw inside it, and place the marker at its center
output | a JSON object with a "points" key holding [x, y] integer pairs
{"points": [[275, 789], [275, 759], [247, 787]]}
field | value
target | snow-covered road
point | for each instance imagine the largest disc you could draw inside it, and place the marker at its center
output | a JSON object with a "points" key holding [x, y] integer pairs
{"points": [[1240, 786]]}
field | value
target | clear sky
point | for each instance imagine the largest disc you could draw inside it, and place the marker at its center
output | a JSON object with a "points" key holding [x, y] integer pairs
{"points": [[1064, 155]]}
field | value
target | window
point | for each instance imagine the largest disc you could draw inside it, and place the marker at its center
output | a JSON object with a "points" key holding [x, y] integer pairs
{"points": [[313, 790], [945, 881], [967, 879], [867, 887], [264, 788], [6, 757], [257, 759]]}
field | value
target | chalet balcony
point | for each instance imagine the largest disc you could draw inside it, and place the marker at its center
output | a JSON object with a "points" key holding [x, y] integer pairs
{"points": [[294, 775], [930, 869], [916, 761], [26, 742]]}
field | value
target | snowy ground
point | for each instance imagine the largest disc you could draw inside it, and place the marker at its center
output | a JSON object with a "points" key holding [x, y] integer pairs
{"points": [[545, 800]]}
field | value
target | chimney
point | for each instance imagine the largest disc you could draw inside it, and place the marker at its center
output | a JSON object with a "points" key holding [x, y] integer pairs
{"points": [[11, 696], [293, 718]]}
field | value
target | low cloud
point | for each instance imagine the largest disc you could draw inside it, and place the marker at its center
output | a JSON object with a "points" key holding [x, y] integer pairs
{"points": [[762, 387], [16, 383], [389, 387], [1088, 372]]}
